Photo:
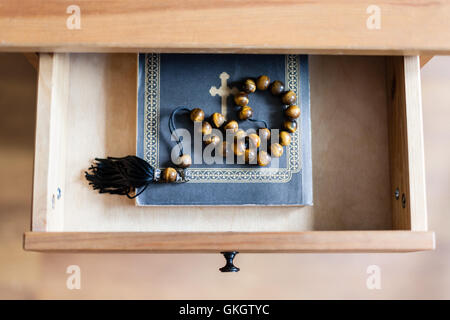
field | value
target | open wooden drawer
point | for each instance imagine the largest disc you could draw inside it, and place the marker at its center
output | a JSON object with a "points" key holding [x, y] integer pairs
{"points": [[368, 166]]}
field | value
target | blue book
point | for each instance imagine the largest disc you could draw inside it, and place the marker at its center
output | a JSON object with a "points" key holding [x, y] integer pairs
{"points": [[207, 81]]}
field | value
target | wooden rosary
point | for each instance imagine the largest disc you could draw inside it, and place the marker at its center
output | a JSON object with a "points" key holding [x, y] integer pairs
{"points": [[123, 175]]}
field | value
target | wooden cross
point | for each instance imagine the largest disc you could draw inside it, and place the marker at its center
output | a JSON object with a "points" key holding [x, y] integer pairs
{"points": [[224, 91]]}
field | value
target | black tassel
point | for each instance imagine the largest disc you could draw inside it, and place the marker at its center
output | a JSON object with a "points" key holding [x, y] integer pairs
{"points": [[120, 175]]}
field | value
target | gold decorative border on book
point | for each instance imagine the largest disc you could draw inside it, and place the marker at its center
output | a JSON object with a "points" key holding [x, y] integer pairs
{"points": [[219, 175]]}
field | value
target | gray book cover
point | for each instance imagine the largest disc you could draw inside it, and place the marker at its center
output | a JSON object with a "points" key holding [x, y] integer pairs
{"points": [[168, 81]]}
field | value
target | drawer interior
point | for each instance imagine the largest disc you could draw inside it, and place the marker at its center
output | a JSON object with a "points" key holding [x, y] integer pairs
{"points": [[87, 108]]}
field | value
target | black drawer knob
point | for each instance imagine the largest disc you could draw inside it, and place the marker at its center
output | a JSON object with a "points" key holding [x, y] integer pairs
{"points": [[229, 257]]}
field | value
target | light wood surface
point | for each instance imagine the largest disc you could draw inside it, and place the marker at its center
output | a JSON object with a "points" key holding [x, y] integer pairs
{"points": [[30, 275], [350, 145], [416, 153], [406, 144], [50, 147], [215, 242], [424, 60], [316, 26]]}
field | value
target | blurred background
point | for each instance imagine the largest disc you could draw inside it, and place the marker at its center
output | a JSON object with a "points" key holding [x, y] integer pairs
{"points": [[25, 275]]}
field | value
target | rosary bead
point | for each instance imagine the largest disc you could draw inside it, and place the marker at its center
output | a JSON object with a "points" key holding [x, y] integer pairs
{"points": [[184, 161], [276, 150], [263, 158], [262, 83], [217, 119], [292, 112], [197, 114], [206, 128], [277, 88], [239, 148], [249, 86], [212, 139], [254, 139], [290, 125], [169, 175], [245, 113], [264, 134], [285, 138], [240, 134], [241, 99], [289, 97], [232, 125], [249, 155]]}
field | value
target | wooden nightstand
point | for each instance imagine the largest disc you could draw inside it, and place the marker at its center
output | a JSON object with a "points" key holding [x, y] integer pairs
{"points": [[368, 157]]}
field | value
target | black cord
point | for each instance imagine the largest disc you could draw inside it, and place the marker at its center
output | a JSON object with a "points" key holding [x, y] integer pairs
{"points": [[256, 120], [137, 194], [173, 128]]}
